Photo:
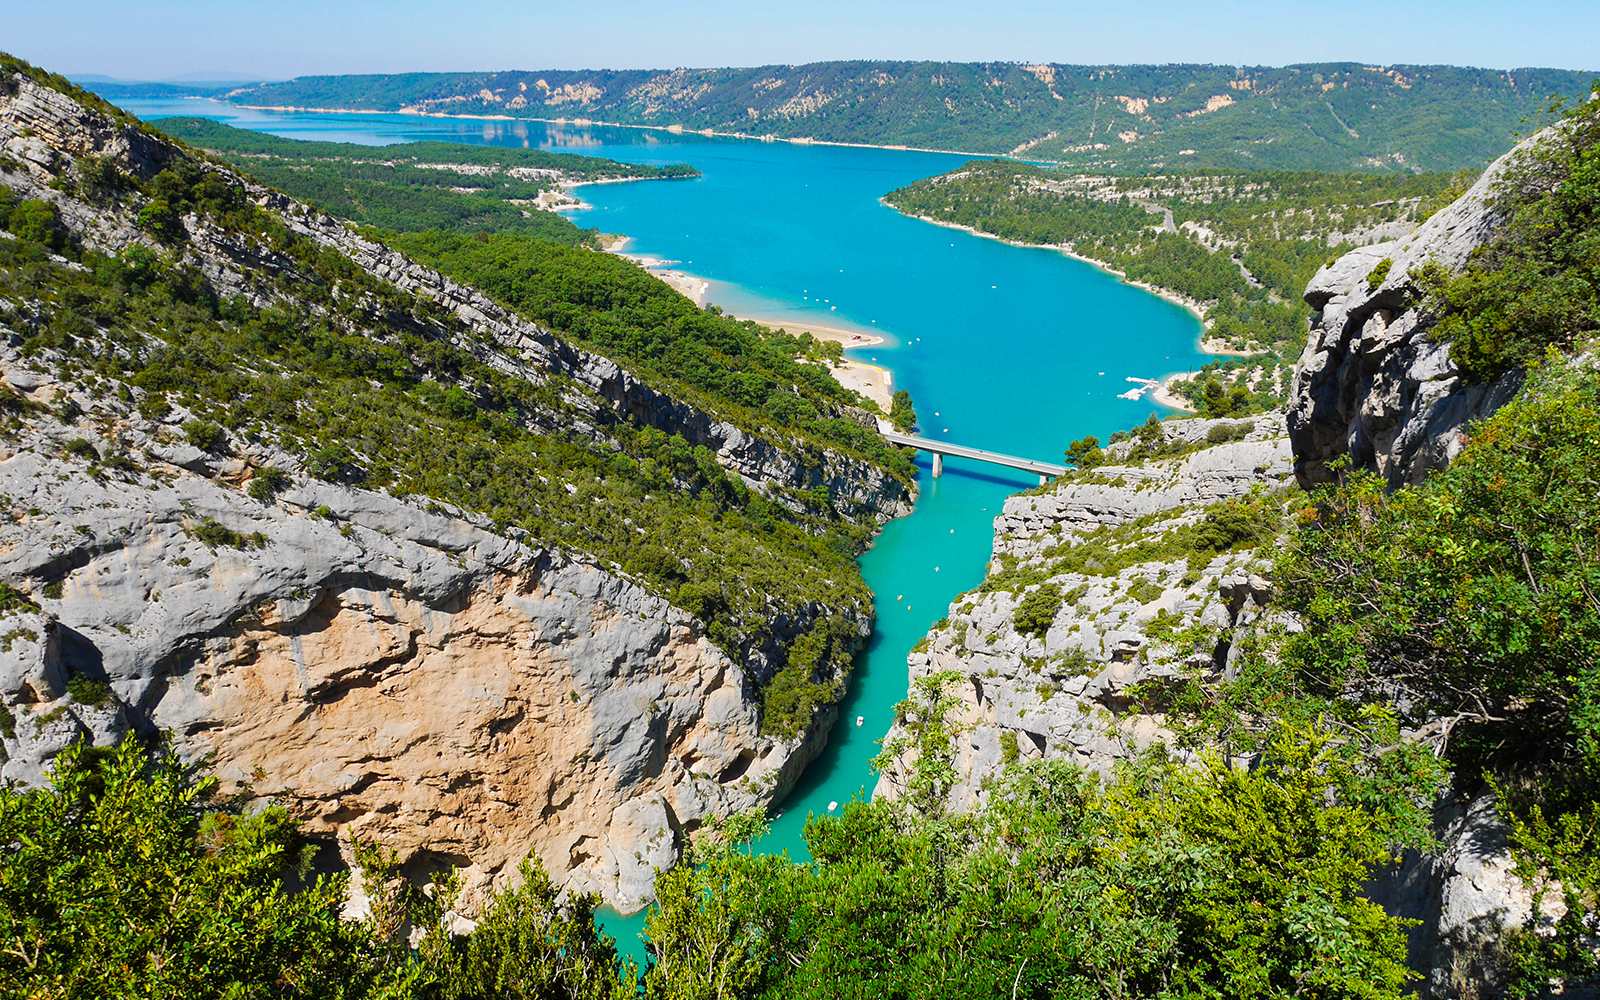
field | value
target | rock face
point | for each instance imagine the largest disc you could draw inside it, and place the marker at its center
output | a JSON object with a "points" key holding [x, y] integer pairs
{"points": [[1116, 544], [394, 675], [393, 670], [1371, 382], [1465, 899]]}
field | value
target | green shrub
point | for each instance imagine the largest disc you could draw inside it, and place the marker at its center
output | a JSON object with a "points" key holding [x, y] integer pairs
{"points": [[1037, 609], [1224, 433], [160, 219], [1144, 591], [205, 435], [213, 533], [15, 602], [87, 690], [1379, 271], [267, 483], [82, 448], [1085, 453], [1010, 752], [39, 222], [901, 413]]}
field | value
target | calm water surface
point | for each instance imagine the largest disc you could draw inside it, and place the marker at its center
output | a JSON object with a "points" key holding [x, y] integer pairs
{"points": [[1004, 348]]}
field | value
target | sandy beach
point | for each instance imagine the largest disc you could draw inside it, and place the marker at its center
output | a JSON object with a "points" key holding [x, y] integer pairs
{"points": [[849, 338], [689, 286], [872, 381], [1164, 396]]}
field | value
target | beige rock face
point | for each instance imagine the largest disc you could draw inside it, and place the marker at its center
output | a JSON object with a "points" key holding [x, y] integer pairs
{"points": [[553, 713], [392, 675]]}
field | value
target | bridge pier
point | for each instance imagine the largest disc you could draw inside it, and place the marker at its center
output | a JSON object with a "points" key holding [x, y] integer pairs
{"points": [[938, 465], [1043, 479]]}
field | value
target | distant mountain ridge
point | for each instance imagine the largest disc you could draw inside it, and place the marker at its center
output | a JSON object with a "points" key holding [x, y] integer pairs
{"points": [[1332, 116]]}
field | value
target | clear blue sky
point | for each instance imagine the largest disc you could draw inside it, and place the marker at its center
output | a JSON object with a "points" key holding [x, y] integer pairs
{"points": [[158, 39]]}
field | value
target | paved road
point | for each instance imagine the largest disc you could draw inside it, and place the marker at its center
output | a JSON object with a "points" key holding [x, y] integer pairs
{"points": [[977, 454]]}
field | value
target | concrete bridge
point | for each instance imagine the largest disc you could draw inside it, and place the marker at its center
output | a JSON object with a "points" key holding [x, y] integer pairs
{"points": [[939, 449]]}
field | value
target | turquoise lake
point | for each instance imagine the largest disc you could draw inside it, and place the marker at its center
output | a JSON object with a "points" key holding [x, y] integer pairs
{"points": [[1009, 349]]}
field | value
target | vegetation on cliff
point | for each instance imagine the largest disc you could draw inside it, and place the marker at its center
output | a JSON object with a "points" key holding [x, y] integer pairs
{"points": [[129, 877], [1537, 283], [755, 376], [1471, 600]]}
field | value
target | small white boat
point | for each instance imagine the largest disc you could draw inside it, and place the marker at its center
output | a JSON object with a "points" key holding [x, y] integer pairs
{"points": [[860, 719], [832, 806]]}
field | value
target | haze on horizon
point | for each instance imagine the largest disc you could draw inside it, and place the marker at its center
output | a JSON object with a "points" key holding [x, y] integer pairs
{"points": [[236, 39]]}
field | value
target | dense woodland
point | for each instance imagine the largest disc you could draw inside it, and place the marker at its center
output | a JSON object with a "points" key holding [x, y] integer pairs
{"points": [[1461, 612], [1329, 116]]}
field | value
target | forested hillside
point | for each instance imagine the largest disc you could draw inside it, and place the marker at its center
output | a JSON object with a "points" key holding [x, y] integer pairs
{"points": [[1238, 246], [1334, 116], [420, 185]]}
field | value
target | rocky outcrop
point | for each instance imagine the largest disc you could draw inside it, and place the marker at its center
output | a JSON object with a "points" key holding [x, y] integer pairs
{"points": [[1371, 382], [1139, 604], [392, 674], [1465, 900]]}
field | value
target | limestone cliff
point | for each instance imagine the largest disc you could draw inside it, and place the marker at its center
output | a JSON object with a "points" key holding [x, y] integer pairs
{"points": [[1143, 597], [1371, 382], [392, 668]]}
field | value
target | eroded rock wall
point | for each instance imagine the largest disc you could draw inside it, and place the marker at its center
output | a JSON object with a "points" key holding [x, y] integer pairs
{"points": [[1372, 383]]}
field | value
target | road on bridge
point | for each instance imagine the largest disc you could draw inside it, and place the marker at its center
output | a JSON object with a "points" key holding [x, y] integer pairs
{"points": [[939, 449]]}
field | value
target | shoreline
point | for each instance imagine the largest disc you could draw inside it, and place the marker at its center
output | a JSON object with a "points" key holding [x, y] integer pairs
{"points": [[1162, 395], [584, 122], [1183, 301], [851, 339], [874, 382], [1205, 345]]}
